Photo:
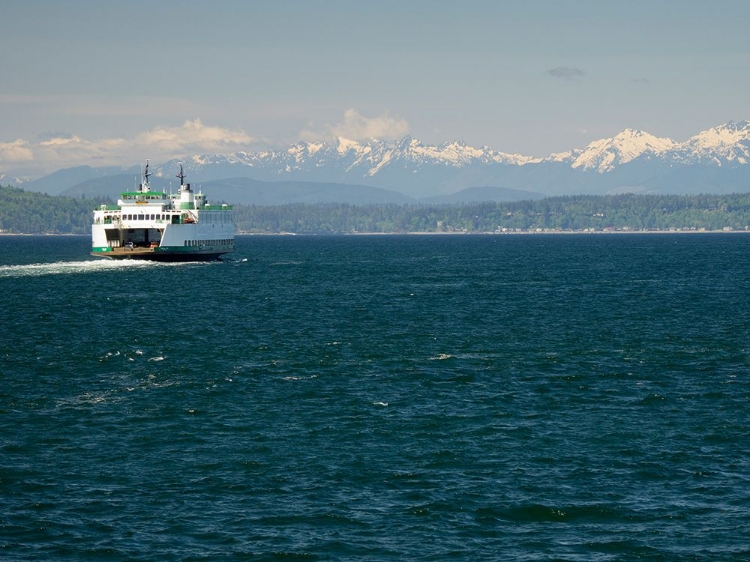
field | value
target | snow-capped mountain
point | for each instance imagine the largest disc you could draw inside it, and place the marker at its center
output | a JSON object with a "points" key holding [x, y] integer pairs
{"points": [[632, 159], [713, 161], [5, 179], [348, 160], [606, 154], [726, 144]]}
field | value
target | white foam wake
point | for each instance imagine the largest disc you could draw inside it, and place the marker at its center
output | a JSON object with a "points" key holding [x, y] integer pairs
{"points": [[73, 267]]}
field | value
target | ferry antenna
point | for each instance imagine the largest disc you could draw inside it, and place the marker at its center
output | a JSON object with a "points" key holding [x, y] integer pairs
{"points": [[181, 175]]}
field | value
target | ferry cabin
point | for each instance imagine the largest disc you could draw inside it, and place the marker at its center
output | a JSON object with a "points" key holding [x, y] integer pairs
{"points": [[162, 224]]}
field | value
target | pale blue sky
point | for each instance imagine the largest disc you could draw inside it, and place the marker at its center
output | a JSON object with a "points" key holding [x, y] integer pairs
{"points": [[92, 82]]}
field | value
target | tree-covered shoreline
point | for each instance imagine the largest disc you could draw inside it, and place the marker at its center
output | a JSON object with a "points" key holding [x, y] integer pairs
{"points": [[29, 212], [584, 213], [25, 212]]}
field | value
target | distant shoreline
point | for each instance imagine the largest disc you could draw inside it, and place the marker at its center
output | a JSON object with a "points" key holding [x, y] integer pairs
{"points": [[43, 234], [513, 233]]}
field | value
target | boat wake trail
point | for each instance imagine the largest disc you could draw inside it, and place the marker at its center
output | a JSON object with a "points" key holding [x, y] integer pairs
{"points": [[74, 267]]}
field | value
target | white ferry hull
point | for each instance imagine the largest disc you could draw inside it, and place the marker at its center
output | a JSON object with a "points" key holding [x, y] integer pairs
{"points": [[152, 225], [189, 242]]}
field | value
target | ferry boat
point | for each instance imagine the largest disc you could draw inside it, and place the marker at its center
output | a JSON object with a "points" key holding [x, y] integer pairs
{"points": [[153, 225]]}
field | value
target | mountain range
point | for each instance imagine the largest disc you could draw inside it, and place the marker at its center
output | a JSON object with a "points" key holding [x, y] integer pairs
{"points": [[714, 161]]}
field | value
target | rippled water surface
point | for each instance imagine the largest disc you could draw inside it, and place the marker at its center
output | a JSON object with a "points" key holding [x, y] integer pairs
{"points": [[402, 398]]}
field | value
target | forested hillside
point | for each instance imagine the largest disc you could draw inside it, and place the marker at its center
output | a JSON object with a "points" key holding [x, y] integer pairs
{"points": [[574, 213], [36, 213], [28, 212]]}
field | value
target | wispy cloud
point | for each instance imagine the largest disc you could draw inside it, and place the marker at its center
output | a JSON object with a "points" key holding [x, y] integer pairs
{"points": [[193, 136], [15, 152], [566, 73], [61, 150], [355, 126]]}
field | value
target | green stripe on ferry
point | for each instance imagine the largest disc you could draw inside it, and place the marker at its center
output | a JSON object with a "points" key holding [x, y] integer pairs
{"points": [[145, 194], [185, 249]]}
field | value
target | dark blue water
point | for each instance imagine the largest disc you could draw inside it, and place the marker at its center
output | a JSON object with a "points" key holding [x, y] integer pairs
{"points": [[378, 398]]}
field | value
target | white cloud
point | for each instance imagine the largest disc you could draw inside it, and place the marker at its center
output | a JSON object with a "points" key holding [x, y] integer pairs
{"points": [[158, 144], [356, 126], [16, 151], [55, 141], [193, 137]]}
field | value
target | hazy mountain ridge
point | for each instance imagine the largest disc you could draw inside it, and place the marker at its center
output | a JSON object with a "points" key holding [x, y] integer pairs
{"points": [[714, 161], [247, 191]]}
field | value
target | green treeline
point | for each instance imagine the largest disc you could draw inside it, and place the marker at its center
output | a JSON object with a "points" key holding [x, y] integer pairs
{"points": [[28, 212], [571, 213], [35, 213]]}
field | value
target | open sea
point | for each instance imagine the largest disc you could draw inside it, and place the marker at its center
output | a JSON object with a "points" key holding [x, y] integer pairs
{"points": [[538, 397]]}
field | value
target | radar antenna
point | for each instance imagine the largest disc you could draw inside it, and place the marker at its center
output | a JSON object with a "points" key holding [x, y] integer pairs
{"points": [[181, 175]]}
